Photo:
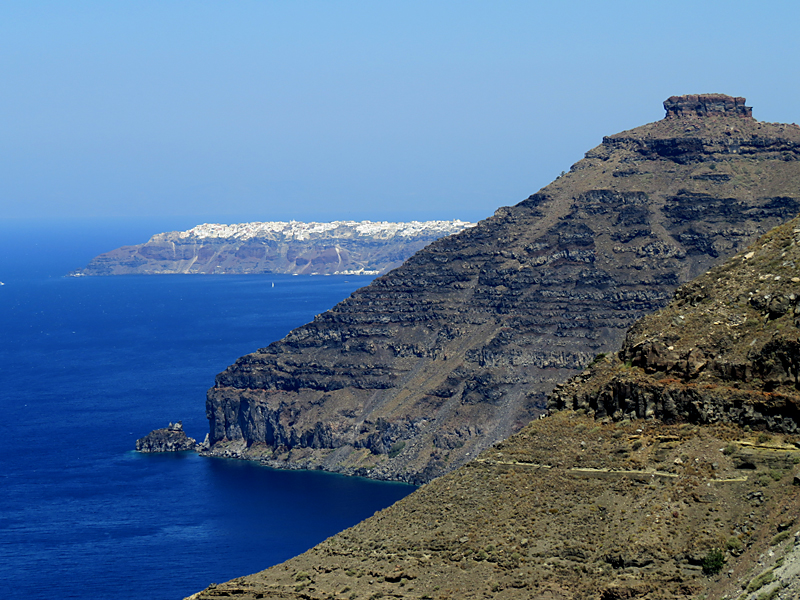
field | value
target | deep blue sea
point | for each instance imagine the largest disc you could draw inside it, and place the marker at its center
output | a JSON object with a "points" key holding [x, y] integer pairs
{"points": [[87, 365]]}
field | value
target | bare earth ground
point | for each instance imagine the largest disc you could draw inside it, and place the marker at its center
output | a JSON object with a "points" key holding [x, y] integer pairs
{"points": [[573, 508]]}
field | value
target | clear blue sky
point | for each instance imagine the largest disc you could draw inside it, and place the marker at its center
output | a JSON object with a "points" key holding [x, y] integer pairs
{"points": [[226, 111]]}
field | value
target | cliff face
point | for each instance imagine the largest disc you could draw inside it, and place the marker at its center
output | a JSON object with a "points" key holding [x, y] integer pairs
{"points": [[726, 349], [339, 247], [421, 370], [609, 501]]}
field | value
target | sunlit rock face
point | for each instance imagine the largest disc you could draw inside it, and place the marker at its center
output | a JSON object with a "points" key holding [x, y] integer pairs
{"points": [[416, 373]]}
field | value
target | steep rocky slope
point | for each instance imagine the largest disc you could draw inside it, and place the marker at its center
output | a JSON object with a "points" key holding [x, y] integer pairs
{"points": [[726, 349], [597, 503], [338, 247], [421, 370]]}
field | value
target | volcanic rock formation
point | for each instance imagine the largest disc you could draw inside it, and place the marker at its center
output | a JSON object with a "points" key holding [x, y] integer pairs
{"points": [[421, 370], [168, 439], [609, 501]]}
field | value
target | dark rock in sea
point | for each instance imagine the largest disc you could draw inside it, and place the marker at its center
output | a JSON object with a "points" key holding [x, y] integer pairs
{"points": [[169, 439], [418, 372], [726, 349]]}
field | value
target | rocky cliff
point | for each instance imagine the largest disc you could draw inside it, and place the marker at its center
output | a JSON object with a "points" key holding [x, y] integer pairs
{"points": [[418, 372], [676, 477], [339, 247], [726, 349]]}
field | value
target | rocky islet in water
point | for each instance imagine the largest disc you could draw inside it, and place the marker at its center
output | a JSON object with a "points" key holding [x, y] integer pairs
{"points": [[167, 439]]}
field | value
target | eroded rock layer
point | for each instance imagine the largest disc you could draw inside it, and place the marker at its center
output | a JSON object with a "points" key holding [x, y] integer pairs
{"points": [[421, 370], [726, 349]]}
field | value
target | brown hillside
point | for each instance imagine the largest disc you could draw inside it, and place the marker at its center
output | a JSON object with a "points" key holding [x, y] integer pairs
{"points": [[569, 508]]}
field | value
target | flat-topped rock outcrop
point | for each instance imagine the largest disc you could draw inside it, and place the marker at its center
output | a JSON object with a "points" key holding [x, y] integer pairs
{"points": [[705, 105], [421, 370]]}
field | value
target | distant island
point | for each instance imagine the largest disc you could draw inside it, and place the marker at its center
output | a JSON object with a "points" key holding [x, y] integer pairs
{"points": [[293, 247]]}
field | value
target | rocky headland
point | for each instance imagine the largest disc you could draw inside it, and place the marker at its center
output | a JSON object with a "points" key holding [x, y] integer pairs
{"points": [[294, 248], [668, 470], [419, 372], [167, 439]]}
